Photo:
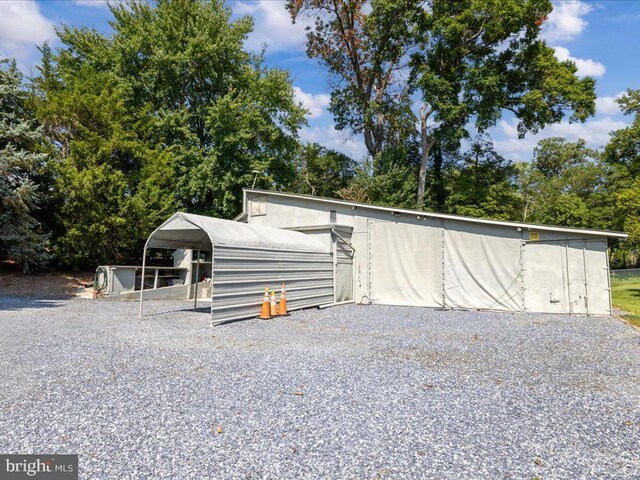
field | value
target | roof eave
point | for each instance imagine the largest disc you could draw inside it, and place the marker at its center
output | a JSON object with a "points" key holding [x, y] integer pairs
{"points": [[620, 236]]}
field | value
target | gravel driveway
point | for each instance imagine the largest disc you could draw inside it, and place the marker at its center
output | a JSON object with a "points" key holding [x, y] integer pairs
{"points": [[359, 392]]}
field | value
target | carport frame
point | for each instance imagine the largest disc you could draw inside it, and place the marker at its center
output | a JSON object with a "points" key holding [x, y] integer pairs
{"points": [[195, 294]]}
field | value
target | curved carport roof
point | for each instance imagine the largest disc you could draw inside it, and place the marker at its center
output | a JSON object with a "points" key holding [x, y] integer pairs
{"points": [[185, 230]]}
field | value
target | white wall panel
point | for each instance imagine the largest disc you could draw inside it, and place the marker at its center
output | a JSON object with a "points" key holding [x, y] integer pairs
{"points": [[405, 264], [482, 267]]}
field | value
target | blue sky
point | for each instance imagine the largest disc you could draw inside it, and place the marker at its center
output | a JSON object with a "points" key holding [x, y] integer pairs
{"points": [[602, 37]]}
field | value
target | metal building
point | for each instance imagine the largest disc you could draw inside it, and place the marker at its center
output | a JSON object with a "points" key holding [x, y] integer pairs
{"points": [[240, 260], [407, 257]]}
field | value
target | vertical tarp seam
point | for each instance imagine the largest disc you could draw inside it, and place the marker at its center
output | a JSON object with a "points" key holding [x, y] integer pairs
{"points": [[443, 261], [522, 297], [586, 280], [566, 262], [608, 267]]}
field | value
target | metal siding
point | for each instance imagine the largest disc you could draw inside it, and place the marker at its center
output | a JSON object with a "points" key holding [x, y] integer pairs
{"points": [[241, 275]]}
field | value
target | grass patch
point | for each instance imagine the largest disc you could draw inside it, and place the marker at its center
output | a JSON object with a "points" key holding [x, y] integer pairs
{"points": [[625, 295]]}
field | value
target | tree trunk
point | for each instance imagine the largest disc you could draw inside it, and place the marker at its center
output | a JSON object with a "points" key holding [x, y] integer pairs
{"points": [[370, 142], [438, 180], [427, 144], [374, 130]]}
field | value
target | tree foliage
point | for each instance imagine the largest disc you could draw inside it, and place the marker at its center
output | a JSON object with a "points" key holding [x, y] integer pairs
{"points": [[321, 171], [22, 157], [623, 154], [389, 181], [566, 184], [482, 183], [113, 184], [168, 112], [476, 59], [364, 50]]}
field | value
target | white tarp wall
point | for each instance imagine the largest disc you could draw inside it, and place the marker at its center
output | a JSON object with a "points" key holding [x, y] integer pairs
{"points": [[405, 264], [412, 258], [467, 266], [482, 267]]}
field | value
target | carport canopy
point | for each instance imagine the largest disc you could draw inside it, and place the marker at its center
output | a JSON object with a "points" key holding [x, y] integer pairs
{"points": [[197, 232], [185, 230]]}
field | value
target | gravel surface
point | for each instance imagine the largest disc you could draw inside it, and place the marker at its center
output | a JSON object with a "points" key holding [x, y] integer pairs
{"points": [[361, 392]]}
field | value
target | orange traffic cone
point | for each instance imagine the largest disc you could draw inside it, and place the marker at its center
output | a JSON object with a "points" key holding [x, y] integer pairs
{"points": [[265, 315], [274, 309], [282, 305]]}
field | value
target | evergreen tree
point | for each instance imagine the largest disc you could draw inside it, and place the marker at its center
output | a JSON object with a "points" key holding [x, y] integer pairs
{"points": [[169, 112], [22, 155]]}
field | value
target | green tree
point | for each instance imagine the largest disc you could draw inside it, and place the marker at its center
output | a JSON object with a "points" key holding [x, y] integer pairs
{"points": [[482, 184], [364, 51], [221, 112], [566, 184], [167, 112], [623, 154], [113, 187], [22, 156], [390, 180], [478, 58], [322, 171]]}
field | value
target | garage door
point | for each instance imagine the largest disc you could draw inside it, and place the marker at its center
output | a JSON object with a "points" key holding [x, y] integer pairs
{"points": [[405, 264], [567, 277]]}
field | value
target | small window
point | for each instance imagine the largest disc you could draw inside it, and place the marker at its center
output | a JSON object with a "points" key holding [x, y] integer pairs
{"points": [[259, 206], [333, 215]]}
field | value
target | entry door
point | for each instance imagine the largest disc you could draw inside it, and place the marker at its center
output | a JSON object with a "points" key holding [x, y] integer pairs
{"points": [[343, 267], [545, 278], [566, 276]]}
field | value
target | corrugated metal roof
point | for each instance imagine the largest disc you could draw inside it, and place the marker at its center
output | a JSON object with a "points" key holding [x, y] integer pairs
{"points": [[446, 216], [185, 230]]}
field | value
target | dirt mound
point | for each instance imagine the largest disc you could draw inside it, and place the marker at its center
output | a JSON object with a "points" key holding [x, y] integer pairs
{"points": [[56, 285]]}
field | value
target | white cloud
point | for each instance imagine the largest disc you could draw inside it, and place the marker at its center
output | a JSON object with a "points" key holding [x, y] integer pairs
{"points": [[331, 138], [313, 103], [594, 132], [586, 67], [272, 25], [91, 3], [22, 26], [565, 22], [608, 105]]}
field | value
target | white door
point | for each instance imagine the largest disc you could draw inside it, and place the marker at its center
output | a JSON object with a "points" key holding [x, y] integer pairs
{"points": [[570, 276], [599, 290], [545, 278]]}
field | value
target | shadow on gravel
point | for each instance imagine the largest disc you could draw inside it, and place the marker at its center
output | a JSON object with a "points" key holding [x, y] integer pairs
{"points": [[160, 308], [21, 303]]}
